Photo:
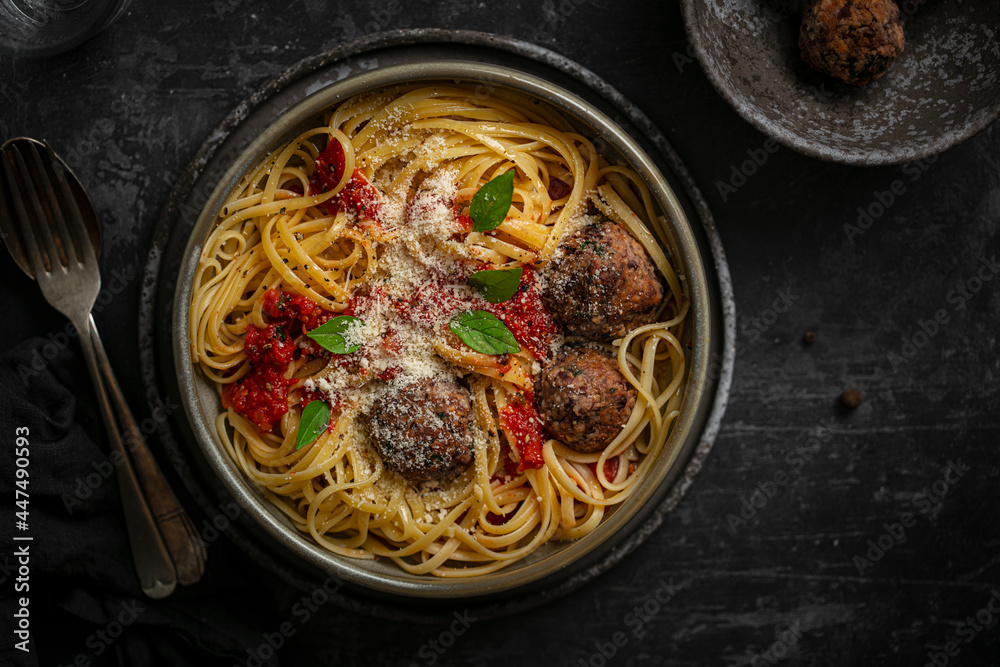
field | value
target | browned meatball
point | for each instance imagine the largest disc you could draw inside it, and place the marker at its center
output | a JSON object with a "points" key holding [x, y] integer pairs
{"points": [[602, 283], [583, 399], [423, 430], [852, 40]]}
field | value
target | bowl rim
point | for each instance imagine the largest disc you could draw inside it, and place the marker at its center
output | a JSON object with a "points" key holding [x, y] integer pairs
{"points": [[752, 114], [397, 581]]}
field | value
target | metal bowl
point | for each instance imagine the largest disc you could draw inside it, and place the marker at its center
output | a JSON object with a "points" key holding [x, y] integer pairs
{"points": [[550, 562], [941, 90]]}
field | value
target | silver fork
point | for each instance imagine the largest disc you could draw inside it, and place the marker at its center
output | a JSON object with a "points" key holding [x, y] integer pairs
{"points": [[59, 249]]}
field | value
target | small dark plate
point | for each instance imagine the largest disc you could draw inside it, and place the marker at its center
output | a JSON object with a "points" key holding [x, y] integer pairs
{"points": [[944, 88]]}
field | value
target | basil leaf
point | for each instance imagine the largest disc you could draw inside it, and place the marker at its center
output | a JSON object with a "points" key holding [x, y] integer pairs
{"points": [[484, 332], [496, 285], [330, 336], [315, 418], [491, 202]]}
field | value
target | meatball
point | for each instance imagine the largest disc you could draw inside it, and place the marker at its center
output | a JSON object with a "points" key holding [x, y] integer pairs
{"points": [[602, 283], [852, 40], [423, 430], [583, 399]]}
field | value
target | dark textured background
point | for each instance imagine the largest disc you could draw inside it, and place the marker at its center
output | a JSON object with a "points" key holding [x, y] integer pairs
{"points": [[129, 109]]}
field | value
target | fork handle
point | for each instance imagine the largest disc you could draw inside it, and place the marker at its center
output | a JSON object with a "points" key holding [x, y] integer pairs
{"points": [[157, 576], [183, 542]]}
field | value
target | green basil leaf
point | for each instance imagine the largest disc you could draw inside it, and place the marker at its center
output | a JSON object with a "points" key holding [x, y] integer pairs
{"points": [[315, 418], [496, 285], [484, 332], [491, 202], [330, 336]]}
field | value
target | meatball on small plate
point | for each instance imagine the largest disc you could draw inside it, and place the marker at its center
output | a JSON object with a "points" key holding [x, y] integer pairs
{"points": [[864, 82], [852, 40]]}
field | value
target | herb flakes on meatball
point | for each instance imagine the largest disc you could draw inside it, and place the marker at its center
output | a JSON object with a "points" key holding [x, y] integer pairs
{"points": [[423, 431], [602, 283], [583, 399], [852, 40]]}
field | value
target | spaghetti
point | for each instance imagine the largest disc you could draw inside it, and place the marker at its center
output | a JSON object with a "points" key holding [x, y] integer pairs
{"points": [[367, 221]]}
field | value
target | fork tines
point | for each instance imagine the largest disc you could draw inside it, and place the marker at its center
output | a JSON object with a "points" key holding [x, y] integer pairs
{"points": [[48, 231]]}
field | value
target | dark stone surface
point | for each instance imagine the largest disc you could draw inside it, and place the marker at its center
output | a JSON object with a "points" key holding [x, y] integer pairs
{"points": [[128, 110]]}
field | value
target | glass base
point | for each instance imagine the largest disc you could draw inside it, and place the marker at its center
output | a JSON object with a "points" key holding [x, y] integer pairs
{"points": [[36, 28]]}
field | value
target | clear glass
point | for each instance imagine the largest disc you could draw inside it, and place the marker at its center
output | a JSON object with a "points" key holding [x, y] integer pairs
{"points": [[34, 28]]}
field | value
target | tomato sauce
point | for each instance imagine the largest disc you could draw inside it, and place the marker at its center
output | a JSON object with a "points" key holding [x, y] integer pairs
{"points": [[273, 345], [520, 419], [527, 317], [500, 519], [330, 166], [462, 218], [434, 301], [358, 196], [464, 222], [262, 395], [509, 464], [611, 468], [338, 402]]}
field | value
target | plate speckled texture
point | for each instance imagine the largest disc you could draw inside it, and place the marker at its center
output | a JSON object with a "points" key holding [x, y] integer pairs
{"points": [[318, 72], [943, 89]]}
